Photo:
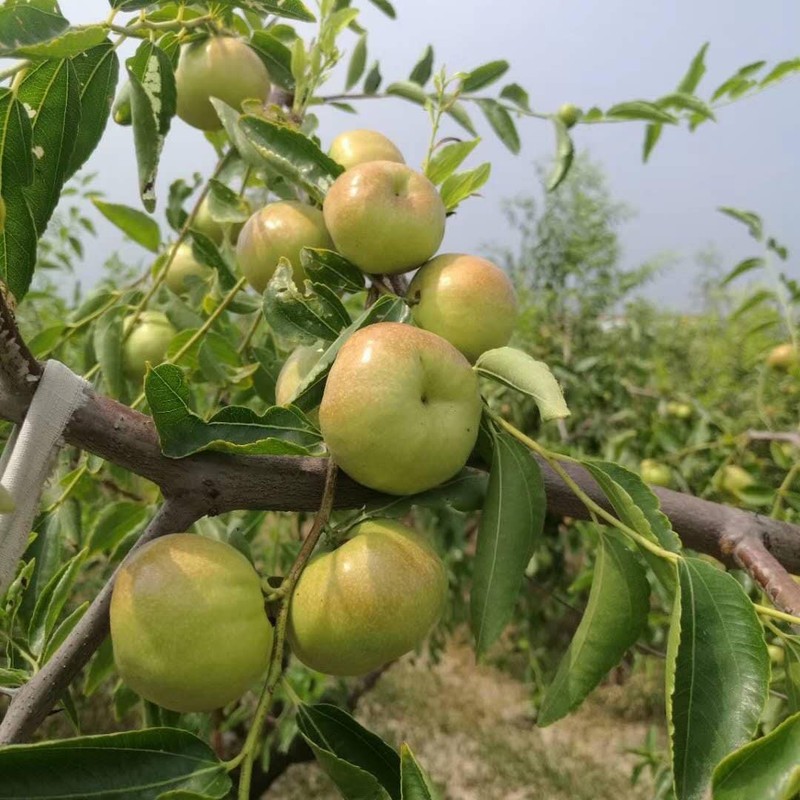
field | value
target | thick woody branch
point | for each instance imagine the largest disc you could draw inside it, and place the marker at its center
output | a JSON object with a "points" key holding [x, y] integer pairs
{"points": [[33, 701]]}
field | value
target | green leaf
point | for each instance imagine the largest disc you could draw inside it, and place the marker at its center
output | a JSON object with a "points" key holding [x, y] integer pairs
{"points": [[637, 506], [457, 111], [525, 374], [768, 769], [360, 763], [652, 133], [687, 102], [386, 7], [59, 635], [517, 95], [140, 227], [408, 90], [415, 784], [114, 523], [461, 185], [153, 103], [502, 123], [743, 266], [276, 56], [385, 309], [749, 218], [316, 313], [98, 71], [448, 159], [279, 431], [717, 674], [373, 80], [358, 63], [107, 336], [641, 110], [288, 9], [565, 154], [781, 70], [694, 74], [331, 269], [484, 75], [100, 667], [615, 617], [27, 24], [421, 73], [126, 765], [51, 602], [206, 252], [291, 154], [792, 669], [511, 524], [71, 42]]}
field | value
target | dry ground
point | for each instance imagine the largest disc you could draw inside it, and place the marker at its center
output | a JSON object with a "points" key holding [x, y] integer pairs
{"points": [[471, 727]]}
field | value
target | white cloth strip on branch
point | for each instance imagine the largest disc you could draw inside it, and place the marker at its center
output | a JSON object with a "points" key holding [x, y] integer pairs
{"points": [[28, 457]]}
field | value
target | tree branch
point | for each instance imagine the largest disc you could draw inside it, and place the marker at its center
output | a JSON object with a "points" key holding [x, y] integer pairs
{"points": [[33, 701]]}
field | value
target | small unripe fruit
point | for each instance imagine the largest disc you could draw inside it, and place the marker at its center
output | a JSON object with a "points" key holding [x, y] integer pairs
{"points": [[221, 67], [294, 370], [148, 342], [188, 624], [569, 114], [206, 224], [279, 230], [655, 472], [360, 146], [679, 410], [183, 266], [784, 356], [776, 654], [733, 479], [121, 111], [368, 602]]}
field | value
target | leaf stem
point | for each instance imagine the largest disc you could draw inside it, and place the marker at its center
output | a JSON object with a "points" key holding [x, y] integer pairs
{"points": [[275, 670], [766, 611]]}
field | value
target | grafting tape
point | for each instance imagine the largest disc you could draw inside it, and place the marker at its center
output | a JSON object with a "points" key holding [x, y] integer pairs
{"points": [[28, 457]]}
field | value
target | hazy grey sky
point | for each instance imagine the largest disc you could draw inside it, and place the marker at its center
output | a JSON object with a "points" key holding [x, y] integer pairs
{"points": [[588, 53]]}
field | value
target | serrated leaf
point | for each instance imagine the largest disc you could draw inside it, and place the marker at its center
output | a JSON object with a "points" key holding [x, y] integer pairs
{"points": [[333, 270], [302, 316], [153, 104], [565, 155], [501, 123], [768, 768], [140, 227], [461, 185], [448, 159], [717, 674], [408, 90], [415, 784], [385, 309], [510, 526], [749, 218], [615, 617], [97, 70], [126, 764], [279, 431], [484, 75], [421, 73], [358, 63], [67, 44], [360, 763], [637, 506], [291, 154], [741, 268], [641, 110], [525, 374], [277, 58]]}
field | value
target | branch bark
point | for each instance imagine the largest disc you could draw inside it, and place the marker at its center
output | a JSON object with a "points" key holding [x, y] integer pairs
{"points": [[33, 701]]}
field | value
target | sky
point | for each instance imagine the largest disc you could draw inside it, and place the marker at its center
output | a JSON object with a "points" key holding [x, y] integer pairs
{"points": [[587, 53]]}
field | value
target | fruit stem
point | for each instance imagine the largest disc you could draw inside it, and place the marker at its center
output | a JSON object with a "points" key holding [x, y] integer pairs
{"points": [[248, 753], [553, 460]]}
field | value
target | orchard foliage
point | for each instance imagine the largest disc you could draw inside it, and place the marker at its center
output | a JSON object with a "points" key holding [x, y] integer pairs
{"points": [[199, 341]]}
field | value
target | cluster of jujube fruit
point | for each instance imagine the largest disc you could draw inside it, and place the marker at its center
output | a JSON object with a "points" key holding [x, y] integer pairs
{"points": [[400, 413]]}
